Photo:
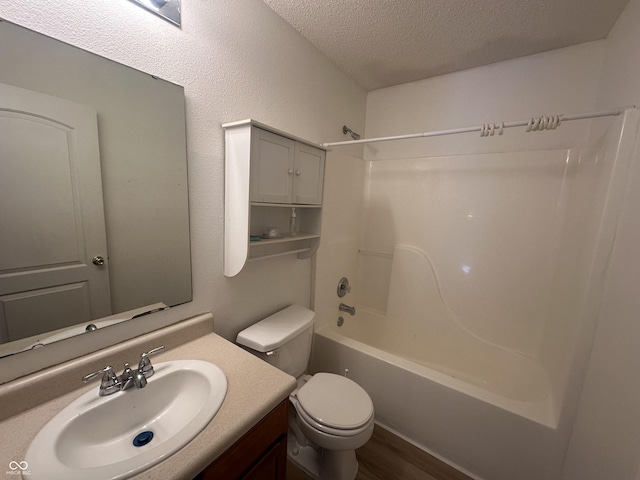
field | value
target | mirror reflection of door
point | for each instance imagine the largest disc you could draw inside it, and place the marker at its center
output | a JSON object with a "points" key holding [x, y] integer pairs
{"points": [[51, 215]]}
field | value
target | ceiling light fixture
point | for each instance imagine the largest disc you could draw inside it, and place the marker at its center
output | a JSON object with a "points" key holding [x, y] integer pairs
{"points": [[167, 9]]}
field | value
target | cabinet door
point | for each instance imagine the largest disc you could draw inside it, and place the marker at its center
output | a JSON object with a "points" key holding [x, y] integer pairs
{"points": [[261, 454], [309, 175], [272, 466], [272, 158]]}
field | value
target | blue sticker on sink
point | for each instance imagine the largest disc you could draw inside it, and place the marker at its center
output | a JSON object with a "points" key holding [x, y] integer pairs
{"points": [[142, 439]]}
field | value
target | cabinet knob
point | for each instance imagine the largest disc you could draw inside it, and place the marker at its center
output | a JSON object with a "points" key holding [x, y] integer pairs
{"points": [[298, 173], [290, 171]]}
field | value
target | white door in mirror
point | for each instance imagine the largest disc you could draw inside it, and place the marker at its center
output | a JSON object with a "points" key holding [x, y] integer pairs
{"points": [[52, 214], [120, 435]]}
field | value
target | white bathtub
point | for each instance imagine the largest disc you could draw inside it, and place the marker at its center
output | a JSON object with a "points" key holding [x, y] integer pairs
{"points": [[506, 379], [492, 426]]}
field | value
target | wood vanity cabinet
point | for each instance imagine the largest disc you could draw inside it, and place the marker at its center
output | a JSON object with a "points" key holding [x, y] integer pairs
{"points": [[261, 454]]}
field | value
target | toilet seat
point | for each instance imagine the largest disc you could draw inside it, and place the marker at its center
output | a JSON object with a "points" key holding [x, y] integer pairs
{"points": [[334, 404], [336, 432]]}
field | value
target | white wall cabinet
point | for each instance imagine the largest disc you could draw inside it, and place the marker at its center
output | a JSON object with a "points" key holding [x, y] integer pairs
{"points": [[284, 170], [269, 175]]}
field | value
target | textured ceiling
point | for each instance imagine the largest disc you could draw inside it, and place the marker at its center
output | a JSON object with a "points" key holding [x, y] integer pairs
{"points": [[388, 42]]}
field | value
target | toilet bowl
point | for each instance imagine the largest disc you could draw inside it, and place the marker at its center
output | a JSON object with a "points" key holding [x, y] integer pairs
{"points": [[336, 415], [331, 416]]}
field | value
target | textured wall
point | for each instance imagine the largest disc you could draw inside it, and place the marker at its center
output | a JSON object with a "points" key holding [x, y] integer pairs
{"points": [[236, 59]]}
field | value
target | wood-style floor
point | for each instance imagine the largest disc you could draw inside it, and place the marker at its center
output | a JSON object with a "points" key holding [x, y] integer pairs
{"points": [[388, 457]]}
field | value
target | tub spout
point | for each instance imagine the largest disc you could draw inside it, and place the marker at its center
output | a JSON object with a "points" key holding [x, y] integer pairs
{"points": [[346, 308]]}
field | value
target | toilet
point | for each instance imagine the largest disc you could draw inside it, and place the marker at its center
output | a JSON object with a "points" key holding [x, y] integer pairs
{"points": [[331, 415]]}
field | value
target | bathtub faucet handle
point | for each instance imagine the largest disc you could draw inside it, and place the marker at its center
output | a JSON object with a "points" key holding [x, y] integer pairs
{"points": [[343, 287]]}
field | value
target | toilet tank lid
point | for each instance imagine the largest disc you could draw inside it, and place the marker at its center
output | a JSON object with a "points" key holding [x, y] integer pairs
{"points": [[277, 329]]}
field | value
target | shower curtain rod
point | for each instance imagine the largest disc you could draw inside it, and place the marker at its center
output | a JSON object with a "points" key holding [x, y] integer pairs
{"points": [[484, 129]]}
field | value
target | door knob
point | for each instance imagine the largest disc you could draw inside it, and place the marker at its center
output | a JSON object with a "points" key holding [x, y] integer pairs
{"points": [[98, 260]]}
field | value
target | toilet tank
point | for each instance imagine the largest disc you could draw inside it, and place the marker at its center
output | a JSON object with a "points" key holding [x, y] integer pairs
{"points": [[282, 339]]}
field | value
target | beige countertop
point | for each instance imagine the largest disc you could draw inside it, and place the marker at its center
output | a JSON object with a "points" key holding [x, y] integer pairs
{"points": [[254, 389]]}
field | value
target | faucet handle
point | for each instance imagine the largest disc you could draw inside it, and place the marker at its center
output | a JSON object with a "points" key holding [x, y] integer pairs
{"points": [[343, 287], [144, 366], [106, 372], [109, 384]]}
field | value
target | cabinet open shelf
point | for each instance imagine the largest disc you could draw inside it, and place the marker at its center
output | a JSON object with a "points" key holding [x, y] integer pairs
{"points": [[283, 205], [303, 244], [284, 238], [279, 254]]}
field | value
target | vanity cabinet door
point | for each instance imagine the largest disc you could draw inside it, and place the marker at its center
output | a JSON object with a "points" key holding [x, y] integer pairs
{"points": [[261, 454], [272, 465], [272, 170]]}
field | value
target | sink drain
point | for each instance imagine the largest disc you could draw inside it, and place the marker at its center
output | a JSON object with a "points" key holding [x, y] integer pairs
{"points": [[142, 439]]}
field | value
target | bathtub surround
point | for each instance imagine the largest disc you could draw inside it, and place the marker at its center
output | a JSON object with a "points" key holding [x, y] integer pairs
{"points": [[473, 394], [606, 437], [465, 98], [342, 212], [473, 390]]}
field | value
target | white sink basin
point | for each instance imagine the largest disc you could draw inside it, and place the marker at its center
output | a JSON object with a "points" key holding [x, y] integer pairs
{"points": [[93, 437]]}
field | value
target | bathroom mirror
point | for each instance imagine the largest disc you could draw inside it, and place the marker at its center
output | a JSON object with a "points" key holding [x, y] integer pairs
{"points": [[93, 191]]}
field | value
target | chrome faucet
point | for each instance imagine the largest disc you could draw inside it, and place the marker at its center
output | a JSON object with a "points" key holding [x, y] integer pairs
{"points": [[112, 383], [131, 377], [347, 308]]}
